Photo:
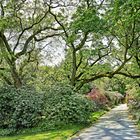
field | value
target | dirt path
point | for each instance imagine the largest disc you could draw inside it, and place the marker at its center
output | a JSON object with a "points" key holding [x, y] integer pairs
{"points": [[115, 125]]}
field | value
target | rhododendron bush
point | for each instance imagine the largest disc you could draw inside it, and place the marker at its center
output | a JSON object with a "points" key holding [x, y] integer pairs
{"points": [[98, 98]]}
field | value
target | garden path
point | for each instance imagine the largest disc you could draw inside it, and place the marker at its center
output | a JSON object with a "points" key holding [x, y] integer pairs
{"points": [[115, 125]]}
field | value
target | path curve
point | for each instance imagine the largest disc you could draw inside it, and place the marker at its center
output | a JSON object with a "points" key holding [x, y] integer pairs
{"points": [[115, 125]]}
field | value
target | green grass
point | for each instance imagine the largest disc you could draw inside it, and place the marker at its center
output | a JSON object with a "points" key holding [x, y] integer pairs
{"points": [[96, 115], [61, 134]]}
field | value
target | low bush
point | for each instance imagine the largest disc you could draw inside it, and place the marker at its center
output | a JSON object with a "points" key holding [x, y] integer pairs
{"points": [[64, 106], [26, 108], [20, 108]]}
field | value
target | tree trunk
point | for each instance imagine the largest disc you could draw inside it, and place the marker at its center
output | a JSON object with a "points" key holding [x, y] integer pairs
{"points": [[16, 78], [73, 76], [8, 57]]}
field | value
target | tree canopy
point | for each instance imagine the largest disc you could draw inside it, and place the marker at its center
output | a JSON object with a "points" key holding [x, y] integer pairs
{"points": [[101, 39]]}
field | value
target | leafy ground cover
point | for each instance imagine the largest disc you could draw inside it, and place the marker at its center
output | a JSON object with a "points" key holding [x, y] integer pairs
{"points": [[61, 134]]}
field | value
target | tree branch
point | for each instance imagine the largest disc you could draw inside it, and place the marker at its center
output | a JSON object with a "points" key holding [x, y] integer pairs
{"points": [[80, 61], [2, 9], [28, 28], [82, 41], [29, 40], [2, 36], [61, 25], [47, 36], [128, 75]]}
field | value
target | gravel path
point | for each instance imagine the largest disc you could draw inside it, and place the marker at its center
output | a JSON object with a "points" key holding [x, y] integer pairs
{"points": [[115, 125]]}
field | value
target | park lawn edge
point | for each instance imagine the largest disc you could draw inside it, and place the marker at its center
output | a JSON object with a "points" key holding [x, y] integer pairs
{"points": [[61, 134]]}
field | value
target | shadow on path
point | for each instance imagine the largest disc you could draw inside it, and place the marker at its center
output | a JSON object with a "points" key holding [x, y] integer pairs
{"points": [[115, 125]]}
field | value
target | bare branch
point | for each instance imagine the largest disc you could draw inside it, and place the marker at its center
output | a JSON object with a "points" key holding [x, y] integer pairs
{"points": [[61, 25], [2, 9], [2, 36], [29, 40], [79, 75], [100, 5], [124, 62], [129, 75], [28, 28], [100, 57], [47, 36], [82, 41], [80, 61]]}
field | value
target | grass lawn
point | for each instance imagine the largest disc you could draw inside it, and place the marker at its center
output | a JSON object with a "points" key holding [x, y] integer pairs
{"points": [[96, 115], [61, 134]]}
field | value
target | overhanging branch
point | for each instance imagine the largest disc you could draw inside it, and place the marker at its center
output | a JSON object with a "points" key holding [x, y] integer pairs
{"points": [[28, 28]]}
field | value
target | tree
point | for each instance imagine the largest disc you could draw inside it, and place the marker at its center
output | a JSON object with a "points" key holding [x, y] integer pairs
{"points": [[77, 34], [22, 25], [125, 29], [101, 39], [92, 37]]}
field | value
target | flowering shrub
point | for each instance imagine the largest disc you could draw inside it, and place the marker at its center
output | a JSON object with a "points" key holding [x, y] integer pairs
{"points": [[98, 98]]}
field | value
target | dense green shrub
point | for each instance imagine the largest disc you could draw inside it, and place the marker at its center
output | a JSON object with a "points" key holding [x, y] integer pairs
{"points": [[20, 108], [64, 106], [26, 108]]}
